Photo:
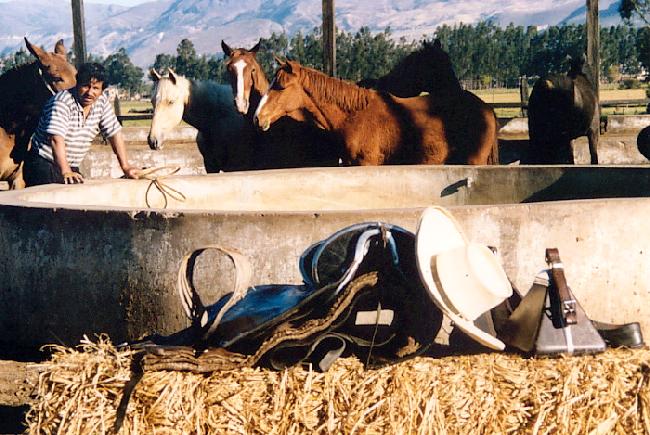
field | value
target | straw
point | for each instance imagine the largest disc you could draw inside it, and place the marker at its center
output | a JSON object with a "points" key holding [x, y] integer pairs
{"points": [[79, 390]]}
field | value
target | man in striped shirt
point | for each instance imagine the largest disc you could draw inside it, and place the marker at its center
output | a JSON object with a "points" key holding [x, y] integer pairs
{"points": [[69, 122]]}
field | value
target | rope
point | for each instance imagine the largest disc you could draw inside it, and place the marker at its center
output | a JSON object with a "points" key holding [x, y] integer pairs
{"points": [[163, 188]]}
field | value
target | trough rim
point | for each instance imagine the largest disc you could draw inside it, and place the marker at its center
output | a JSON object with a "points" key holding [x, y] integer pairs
{"points": [[18, 198]]}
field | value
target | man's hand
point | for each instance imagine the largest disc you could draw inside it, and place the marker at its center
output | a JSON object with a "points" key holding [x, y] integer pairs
{"points": [[72, 178], [131, 172]]}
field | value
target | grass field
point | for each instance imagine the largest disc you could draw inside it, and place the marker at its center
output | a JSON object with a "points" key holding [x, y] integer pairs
{"points": [[512, 96], [489, 96]]}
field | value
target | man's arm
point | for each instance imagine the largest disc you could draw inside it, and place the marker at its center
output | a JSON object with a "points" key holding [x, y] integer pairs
{"points": [[117, 143], [61, 160]]}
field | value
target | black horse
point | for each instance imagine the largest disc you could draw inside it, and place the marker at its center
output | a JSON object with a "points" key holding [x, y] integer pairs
{"points": [[560, 109], [427, 69], [430, 70]]}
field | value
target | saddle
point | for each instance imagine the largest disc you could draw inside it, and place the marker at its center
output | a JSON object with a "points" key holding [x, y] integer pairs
{"points": [[361, 295]]}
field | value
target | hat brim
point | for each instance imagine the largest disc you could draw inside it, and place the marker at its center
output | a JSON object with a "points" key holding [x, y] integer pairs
{"points": [[437, 232]]}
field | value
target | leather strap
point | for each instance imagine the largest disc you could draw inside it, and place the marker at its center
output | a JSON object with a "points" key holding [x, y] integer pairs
{"points": [[520, 329], [567, 303]]}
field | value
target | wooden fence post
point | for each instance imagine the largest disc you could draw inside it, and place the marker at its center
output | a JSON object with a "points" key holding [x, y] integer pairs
{"points": [[523, 95], [79, 31], [329, 38], [593, 60]]}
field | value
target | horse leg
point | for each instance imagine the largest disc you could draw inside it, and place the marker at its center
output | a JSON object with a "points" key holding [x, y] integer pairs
{"points": [[487, 152], [592, 137], [209, 152], [17, 181]]}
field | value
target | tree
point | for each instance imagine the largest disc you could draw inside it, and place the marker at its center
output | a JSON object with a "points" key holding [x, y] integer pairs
{"points": [[121, 72], [613, 74], [163, 62], [17, 59], [186, 59], [643, 46], [635, 8], [501, 54]]}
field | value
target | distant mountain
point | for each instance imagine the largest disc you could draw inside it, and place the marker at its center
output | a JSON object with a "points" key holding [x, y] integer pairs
{"points": [[158, 26]]}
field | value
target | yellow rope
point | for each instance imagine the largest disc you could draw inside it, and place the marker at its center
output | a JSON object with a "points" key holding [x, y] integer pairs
{"points": [[156, 181]]}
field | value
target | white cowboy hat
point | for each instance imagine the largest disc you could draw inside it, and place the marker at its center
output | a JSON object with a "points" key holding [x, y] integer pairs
{"points": [[464, 279]]}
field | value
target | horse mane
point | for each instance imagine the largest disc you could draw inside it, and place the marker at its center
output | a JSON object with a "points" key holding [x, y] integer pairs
{"points": [[346, 95], [22, 79], [261, 82], [19, 71], [206, 93], [22, 92], [218, 94]]}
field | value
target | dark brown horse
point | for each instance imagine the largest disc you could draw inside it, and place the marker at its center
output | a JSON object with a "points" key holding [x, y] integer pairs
{"points": [[377, 128], [430, 70], [289, 143], [23, 92], [560, 109]]}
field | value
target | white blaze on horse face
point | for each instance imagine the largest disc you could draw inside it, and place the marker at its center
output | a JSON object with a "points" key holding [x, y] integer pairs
{"points": [[261, 104], [240, 99], [257, 112]]}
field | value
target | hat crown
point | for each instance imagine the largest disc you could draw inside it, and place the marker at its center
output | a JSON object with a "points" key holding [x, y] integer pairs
{"points": [[471, 279], [463, 279]]}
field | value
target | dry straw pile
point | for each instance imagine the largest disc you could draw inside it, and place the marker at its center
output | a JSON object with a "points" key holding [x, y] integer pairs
{"points": [[492, 393]]}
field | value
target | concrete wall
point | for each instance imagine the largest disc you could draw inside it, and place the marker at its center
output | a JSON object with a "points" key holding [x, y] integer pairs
{"points": [[621, 123], [100, 162], [615, 124], [78, 265], [183, 133]]}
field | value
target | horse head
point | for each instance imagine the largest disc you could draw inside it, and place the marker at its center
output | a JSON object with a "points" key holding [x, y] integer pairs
{"points": [[169, 96], [284, 97], [576, 65], [428, 69], [245, 74], [57, 73]]}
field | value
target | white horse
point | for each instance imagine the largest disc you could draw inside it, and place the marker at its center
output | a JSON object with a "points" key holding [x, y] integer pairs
{"points": [[224, 137]]}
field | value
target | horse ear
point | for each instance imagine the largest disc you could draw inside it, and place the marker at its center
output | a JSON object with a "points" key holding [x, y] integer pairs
{"points": [[292, 65], [155, 76], [172, 75], [437, 43], [226, 49], [37, 51], [59, 48], [256, 47], [278, 60]]}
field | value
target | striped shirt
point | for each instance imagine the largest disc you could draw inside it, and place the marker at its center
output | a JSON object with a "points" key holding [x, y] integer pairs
{"points": [[63, 116]]}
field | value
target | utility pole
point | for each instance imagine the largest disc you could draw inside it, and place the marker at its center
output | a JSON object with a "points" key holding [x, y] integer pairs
{"points": [[593, 60], [329, 38], [79, 31]]}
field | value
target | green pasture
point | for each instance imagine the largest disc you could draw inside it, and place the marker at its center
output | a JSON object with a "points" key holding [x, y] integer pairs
{"points": [[606, 94]]}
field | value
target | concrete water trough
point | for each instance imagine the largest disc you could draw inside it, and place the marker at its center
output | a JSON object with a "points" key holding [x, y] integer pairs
{"points": [[94, 258]]}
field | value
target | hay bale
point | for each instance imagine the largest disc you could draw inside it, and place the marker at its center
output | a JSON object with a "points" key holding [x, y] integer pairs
{"points": [[79, 391]]}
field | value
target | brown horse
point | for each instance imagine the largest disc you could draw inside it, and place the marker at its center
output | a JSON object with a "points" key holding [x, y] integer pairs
{"points": [[289, 143], [430, 70], [24, 90], [377, 128]]}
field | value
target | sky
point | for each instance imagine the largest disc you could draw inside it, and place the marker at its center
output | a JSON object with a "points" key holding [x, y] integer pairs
{"points": [[111, 2], [118, 2]]}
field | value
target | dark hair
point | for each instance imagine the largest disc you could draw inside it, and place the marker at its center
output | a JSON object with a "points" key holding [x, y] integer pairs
{"points": [[89, 71]]}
